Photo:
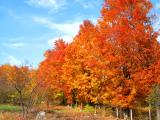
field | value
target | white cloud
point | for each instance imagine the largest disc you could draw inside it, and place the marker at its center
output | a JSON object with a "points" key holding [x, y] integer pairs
{"points": [[13, 61], [50, 4], [89, 3], [17, 45], [66, 28], [66, 38], [14, 44]]}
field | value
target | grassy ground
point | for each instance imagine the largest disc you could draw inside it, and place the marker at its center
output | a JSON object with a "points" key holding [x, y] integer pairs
{"points": [[9, 108], [10, 112]]}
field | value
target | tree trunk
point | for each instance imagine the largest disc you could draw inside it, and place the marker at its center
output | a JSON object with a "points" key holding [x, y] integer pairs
{"points": [[48, 104], [117, 113], [120, 113], [157, 102], [95, 109], [131, 114], [150, 117], [158, 112], [21, 102], [81, 107], [76, 104], [126, 114]]}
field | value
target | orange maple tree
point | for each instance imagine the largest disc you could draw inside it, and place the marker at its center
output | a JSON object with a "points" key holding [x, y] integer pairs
{"points": [[126, 25], [50, 70]]}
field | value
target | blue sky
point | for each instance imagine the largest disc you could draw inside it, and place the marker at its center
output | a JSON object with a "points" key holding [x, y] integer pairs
{"points": [[29, 27]]}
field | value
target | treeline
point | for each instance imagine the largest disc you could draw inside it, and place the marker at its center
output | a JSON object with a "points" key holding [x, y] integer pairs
{"points": [[114, 62]]}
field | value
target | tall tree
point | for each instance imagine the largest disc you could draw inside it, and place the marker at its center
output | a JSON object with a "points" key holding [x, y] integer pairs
{"points": [[86, 62], [126, 25], [50, 70]]}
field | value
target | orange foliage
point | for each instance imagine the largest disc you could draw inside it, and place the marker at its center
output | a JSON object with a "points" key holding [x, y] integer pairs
{"points": [[113, 62], [50, 70]]}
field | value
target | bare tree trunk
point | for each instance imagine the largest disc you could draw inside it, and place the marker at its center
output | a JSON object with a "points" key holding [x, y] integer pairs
{"points": [[31, 98], [117, 113], [158, 112], [120, 113], [48, 104], [95, 109], [22, 105], [126, 114], [131, 114], [21, 100], [76, 104], [157, 102], [150, 117]]}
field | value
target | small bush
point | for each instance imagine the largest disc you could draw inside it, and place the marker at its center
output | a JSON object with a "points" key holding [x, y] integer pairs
{"points": [[88, 108]]}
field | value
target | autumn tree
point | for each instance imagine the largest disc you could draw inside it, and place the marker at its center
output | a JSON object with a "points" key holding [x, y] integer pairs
{"points": [[125, 24], [86, 67], [7, 92], [23, 80], [78, 60], [50, 70]]}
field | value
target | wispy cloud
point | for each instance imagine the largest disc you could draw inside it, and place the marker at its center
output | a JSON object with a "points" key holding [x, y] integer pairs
{"points": [[14, 44], [49, 4], [10, 59], [88, 3], [13, 61], [65, 28]]}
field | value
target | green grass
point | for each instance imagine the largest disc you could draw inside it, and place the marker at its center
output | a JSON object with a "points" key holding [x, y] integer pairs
{"points": [[9, 108], [88, 108]]}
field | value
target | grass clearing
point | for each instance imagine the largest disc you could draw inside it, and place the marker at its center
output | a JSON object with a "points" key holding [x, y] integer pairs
{"points": [[9, 108]]}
